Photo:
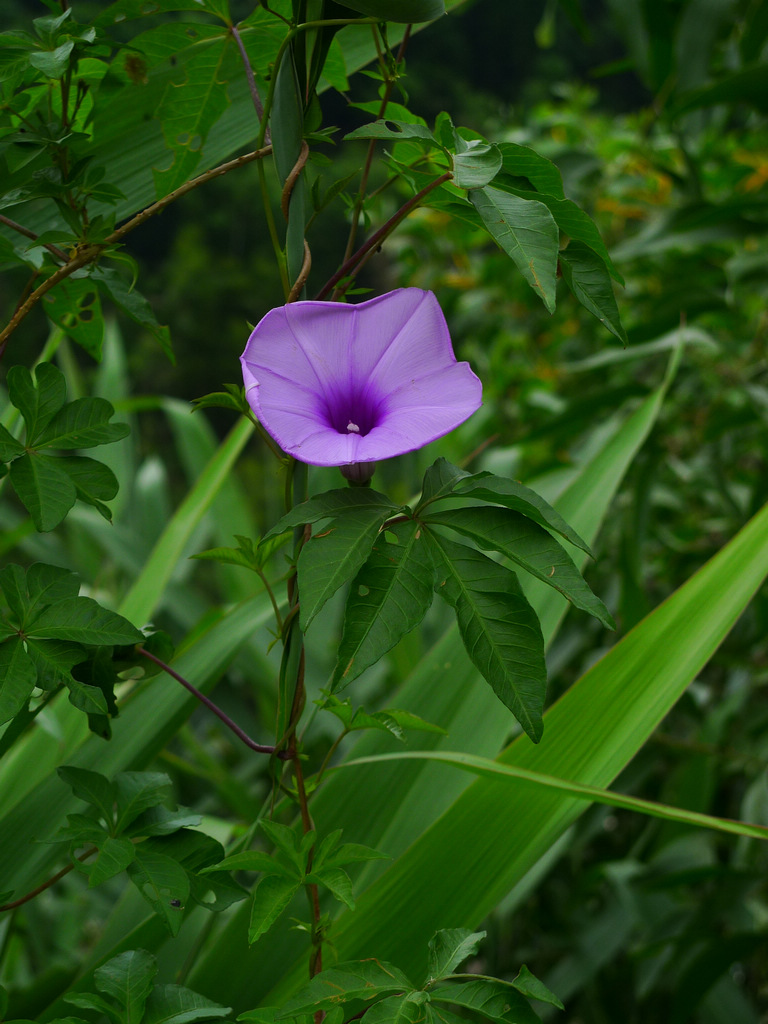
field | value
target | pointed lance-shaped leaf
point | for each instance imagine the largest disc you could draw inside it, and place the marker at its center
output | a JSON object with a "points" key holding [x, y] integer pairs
{"points": [[499, 629]]}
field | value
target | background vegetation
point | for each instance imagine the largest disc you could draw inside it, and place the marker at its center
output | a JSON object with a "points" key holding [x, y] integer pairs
{"points": [[655, 115]]}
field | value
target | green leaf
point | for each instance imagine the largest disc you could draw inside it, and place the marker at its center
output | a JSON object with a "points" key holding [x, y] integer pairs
{"points": [[514, 495], [401, 1009], [159, 821], [82, 424], [497, 771], [10, 448], [190, 108], [399, 10], [522, 162], [498, 627], [285, 839], [135, 792], [270, 898], [44, 488], [349, 853], [54, 660], [332, 504], [134, 304], [586, 275], [450, 947], [53, 63], [87, 698], [90, 1001], [477, 165], [128, 978], [47, 584], [527, 233], [255, 860], [337, 881], [392, 131], [94, 482], [493, 999], [163, 883], [74, 305], [387, 599], [439, 481], [531, 987], [13, 583], [17, 678], [115, 854], [365, 979], [83, 620], [572, 221], [529, 546], [92, 787], [172, 1004], [38, 399], [332, 557]]}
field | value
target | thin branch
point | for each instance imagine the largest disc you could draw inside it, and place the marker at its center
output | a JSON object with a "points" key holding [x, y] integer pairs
{"points": [[260, 748], [57, 252], [89, 253], [259, 106], [202, 179], [51, 881], [381, 234]]}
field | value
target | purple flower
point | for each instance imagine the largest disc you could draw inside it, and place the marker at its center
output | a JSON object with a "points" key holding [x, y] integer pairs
{"points": [[336, 385]]}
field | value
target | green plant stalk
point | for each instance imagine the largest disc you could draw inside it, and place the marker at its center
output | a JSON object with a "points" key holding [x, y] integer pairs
{"points": [[360, 200], [290, 36]]}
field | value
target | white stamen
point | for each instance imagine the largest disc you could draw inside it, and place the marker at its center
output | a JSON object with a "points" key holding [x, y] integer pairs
{"points": [[353, 428]]}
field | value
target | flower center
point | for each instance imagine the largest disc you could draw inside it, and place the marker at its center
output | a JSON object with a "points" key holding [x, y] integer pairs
{"points": [[355, 413]]}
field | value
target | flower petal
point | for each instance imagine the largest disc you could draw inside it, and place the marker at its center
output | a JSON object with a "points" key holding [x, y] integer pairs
{"points": [[336, 384]]}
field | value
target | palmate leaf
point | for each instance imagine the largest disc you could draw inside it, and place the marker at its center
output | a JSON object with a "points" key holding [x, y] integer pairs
{"points": [[332, 557], [517, 496], [529, 546], [94, 482], [83, 423], [492, 999], [387, 599], [127, 978], [450, 947], [332, 504], [74, 305], [38, 399], [92, 787], [114, 856], [44, 489], [174, 1004], [17, 678], [498, 627], [365, 980], [84, 621], [527, 233], [163, 883], [476, 164], [271, 897], [408, 1008]]}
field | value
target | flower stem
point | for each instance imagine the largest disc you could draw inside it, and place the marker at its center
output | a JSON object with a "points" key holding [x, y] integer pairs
{"points": [[260, 748], [351, 266]]}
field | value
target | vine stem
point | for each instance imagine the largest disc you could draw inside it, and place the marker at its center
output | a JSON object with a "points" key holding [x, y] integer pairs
{"points": [[358, 208], [260, 748], [355, 262], [51, 881], [54, 249]]}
